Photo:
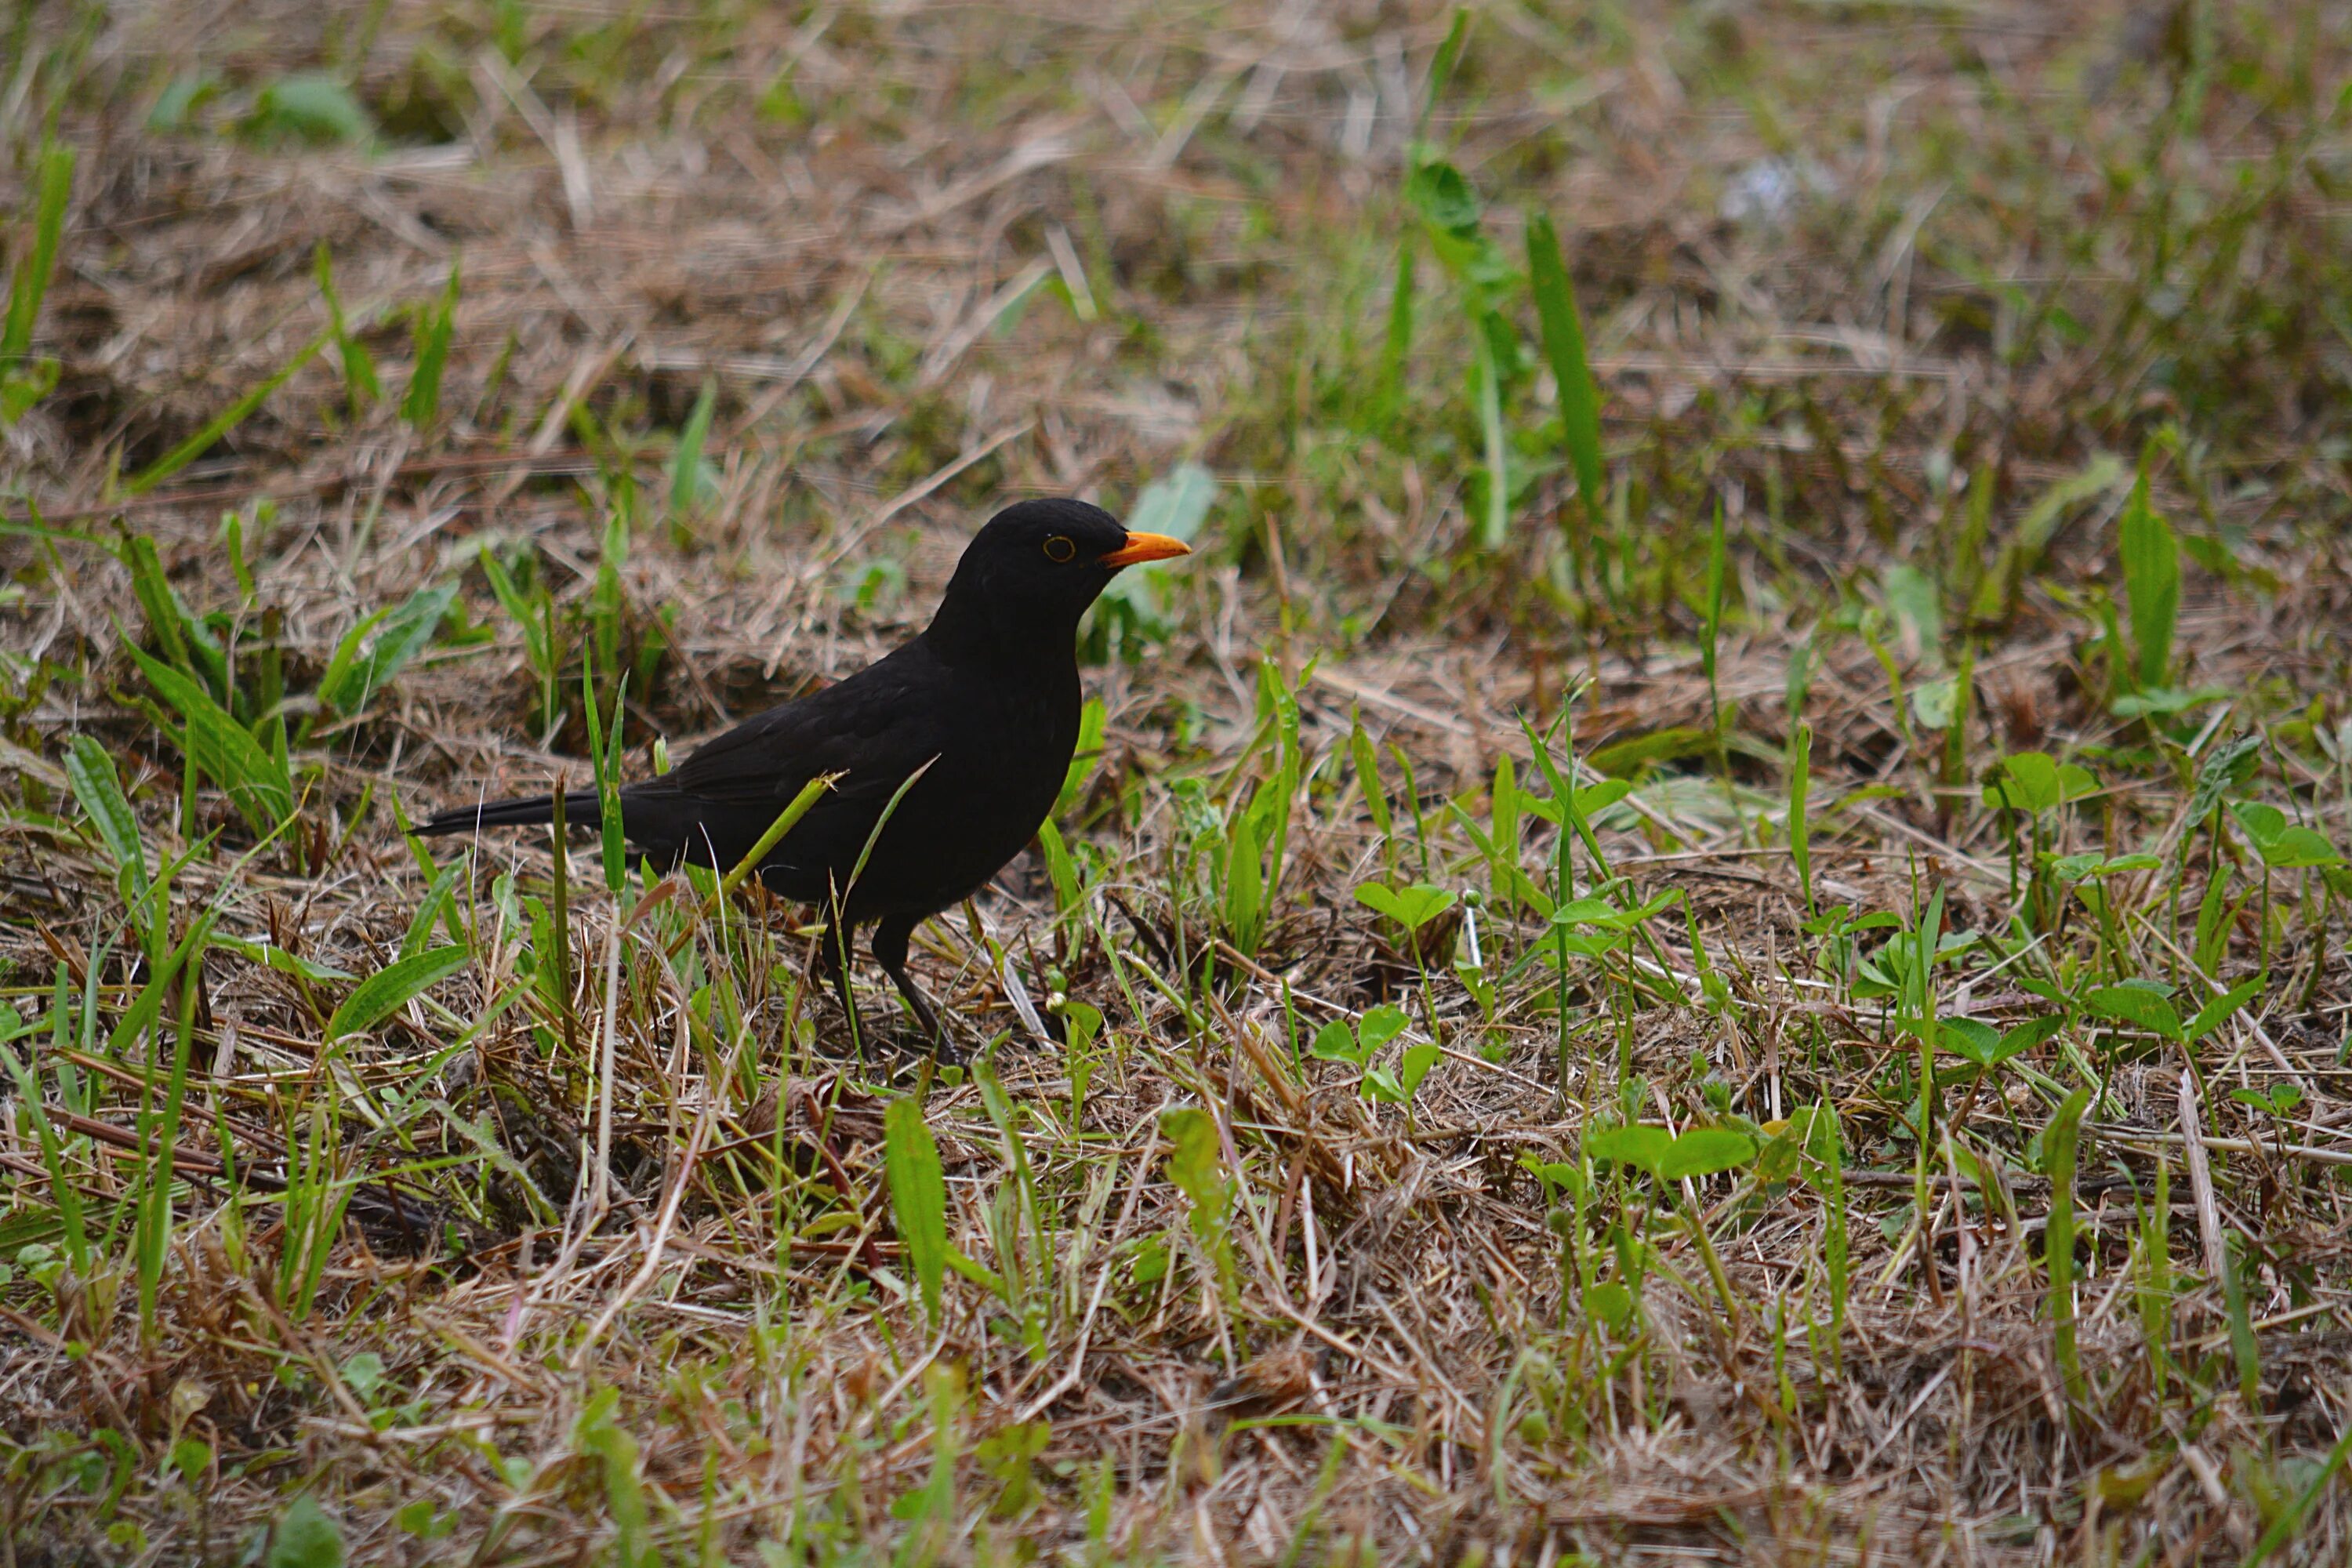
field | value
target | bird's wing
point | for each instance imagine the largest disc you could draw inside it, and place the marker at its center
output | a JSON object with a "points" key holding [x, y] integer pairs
{"points": [[872, 729]]}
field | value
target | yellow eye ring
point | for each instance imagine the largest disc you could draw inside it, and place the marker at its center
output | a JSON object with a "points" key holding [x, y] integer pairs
{"points": [[1058, 549]]}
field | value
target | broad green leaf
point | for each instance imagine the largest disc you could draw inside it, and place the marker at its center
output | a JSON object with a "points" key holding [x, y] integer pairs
{"points": [[1704, 1150], [1640, 1146], [1176, 504], [1199, 1173], [1335, 1042], [1620, 759], [2021, 1037], [1979, 1042], [1935, 703], [1917, 606], [2225, 767], [1593, 946], [2263, 822], [1967, 1038], [1411, 907], [2297, 848], [2166, 700], [1609, 1301], [363, 1373], [192, 1457], [2034, 783], [1593, 799], [391, 988], [2283, 845], [1381, 1025], [2137, 1002], [2222, 1008], [305, 1538], [309, 106], [918, 1197], [1418, 1060], [2029, 783]]}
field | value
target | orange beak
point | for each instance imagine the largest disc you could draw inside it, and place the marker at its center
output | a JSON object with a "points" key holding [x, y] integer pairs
{"points": [[1142, 547]]}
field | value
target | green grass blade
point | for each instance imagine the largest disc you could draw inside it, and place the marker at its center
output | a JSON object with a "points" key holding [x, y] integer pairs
{"points": [[63, 1192], [1487, 376], [1398, 341], [1800, 841], [2289, 1521], [2244, 1349], [1085, 757], [221, 424], [153, 1226], [784, 821], [29, 285], [2151, 561], [2058, 1250], [422, 403], [686, 464], [1571, 368], [362, 386], [604, 753], [1441, 67]]}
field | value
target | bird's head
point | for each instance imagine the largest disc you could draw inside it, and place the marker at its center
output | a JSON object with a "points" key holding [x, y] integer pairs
{"points": [[1035, 568]]}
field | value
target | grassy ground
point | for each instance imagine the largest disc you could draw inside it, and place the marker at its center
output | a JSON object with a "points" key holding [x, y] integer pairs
{"points": [[1709, 924]]}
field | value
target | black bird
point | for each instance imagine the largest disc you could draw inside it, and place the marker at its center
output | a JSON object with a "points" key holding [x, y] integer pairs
{"points": [[975, 718]]}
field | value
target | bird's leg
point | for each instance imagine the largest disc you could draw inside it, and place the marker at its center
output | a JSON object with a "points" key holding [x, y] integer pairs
{"points": [[890, 951], [833, 963]]}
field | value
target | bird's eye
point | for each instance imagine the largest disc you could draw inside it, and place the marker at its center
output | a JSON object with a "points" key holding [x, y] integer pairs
{"points": [[1058, 549]]}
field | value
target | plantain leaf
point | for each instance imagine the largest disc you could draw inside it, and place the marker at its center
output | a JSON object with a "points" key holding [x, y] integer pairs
{"points": [[405, 633], [919, 1199], [95, 785], [224, 750], [393, 988]]}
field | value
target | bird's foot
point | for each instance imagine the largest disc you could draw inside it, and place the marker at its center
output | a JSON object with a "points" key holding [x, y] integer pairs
{"points": [[901, 1045]]}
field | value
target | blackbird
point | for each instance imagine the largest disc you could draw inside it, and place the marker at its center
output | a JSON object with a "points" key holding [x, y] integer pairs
{"points": [[974, 718]]}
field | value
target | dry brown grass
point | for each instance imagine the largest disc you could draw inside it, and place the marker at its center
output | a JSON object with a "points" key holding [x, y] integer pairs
{"points": [[1998, 256]]}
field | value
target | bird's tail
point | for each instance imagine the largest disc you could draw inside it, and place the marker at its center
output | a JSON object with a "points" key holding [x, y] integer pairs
{"points": [[581, 809]]}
